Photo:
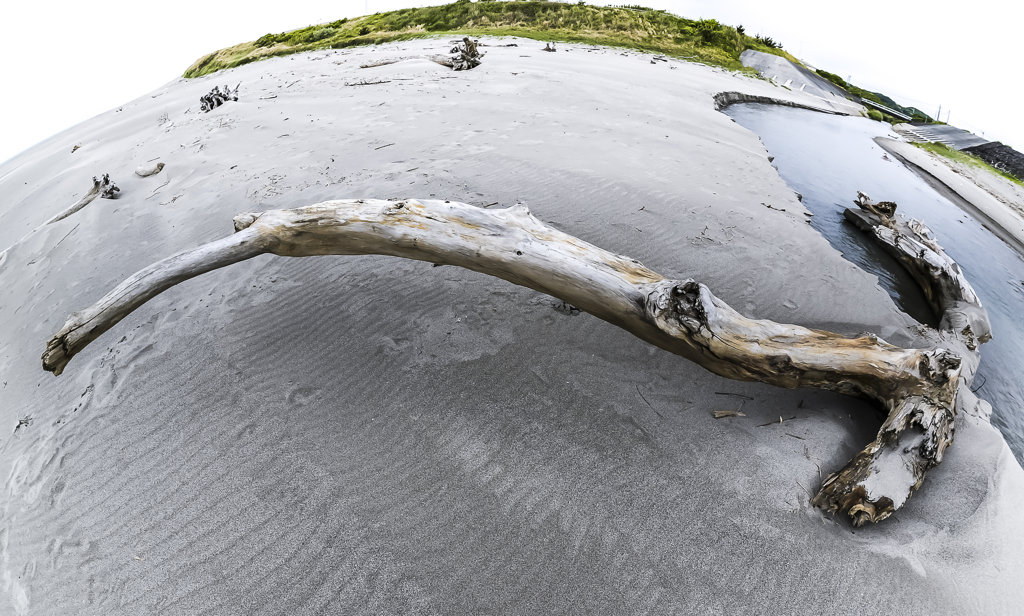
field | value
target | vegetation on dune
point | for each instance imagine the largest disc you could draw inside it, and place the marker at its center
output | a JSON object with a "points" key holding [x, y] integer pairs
{"points": [[966, 158], [915, 114], [633, 27]]}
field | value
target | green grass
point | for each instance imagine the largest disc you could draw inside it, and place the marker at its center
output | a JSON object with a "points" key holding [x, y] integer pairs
{"points": [[965, 158], [914, 113], [638, 28]]}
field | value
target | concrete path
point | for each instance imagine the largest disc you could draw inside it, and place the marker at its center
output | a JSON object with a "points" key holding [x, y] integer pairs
{"points": [[797, 78], [950, 136]]}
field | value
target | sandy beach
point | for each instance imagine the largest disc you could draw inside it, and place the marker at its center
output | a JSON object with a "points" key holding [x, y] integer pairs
{"points": [[369, 435]]}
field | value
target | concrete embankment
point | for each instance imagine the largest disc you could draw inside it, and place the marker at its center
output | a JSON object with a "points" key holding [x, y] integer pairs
{"points": [[998, 209], [798, 79]]}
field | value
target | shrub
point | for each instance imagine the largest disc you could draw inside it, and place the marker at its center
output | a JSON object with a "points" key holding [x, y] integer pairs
{"points": [[875, 115], [768, 42], [364, 30], [836, 79], [708, 31], [266, 40], [318, 34]]}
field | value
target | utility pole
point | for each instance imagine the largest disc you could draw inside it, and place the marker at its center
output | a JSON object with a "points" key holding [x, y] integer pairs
{"points": [[938, 118]]}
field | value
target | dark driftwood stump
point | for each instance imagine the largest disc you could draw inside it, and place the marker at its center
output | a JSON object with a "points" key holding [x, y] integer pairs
{"points": [[922, 390], [217, 97], [465, 55]]}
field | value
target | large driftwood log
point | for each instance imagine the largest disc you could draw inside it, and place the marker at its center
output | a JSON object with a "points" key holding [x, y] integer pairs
{"points": [[919, 387]]}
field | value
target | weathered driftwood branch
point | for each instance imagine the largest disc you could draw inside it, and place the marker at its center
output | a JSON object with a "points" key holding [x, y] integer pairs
{"points": [[680, 316], [104, 189]]}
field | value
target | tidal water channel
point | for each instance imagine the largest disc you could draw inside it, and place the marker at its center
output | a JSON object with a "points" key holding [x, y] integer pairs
{"points": [[827, 159]]}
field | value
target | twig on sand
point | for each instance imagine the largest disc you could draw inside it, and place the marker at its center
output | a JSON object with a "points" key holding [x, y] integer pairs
{"points": [[54, 248], [380, 62], [153, 192], [779, 421], [726, 393], [803, 488], [648, 403], [723, 414], [383, 146]]}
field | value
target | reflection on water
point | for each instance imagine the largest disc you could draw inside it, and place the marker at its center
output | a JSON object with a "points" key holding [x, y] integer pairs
{"points": [[828, 159]]}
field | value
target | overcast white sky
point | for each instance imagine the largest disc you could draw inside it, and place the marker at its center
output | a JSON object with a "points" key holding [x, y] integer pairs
{"points": [[64, 62]]}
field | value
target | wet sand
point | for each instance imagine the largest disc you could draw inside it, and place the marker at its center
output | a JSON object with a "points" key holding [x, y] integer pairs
{"points": [[371, 435]]}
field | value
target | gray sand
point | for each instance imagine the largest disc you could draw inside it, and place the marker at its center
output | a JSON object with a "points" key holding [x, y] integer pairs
{"points": [[375, 436]]}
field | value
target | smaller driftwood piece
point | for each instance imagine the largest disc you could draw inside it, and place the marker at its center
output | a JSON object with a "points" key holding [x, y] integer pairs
{"points": [[217, 97], [104, 189], [921, 389], [145, 172]]}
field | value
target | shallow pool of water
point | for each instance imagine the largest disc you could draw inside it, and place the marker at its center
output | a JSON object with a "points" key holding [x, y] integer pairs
{"points": [[828, 159]]}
